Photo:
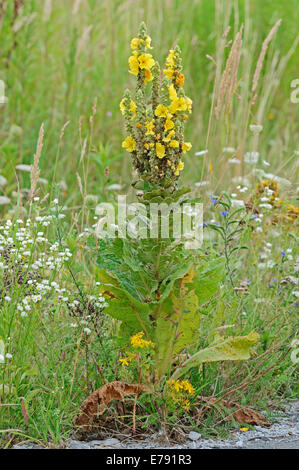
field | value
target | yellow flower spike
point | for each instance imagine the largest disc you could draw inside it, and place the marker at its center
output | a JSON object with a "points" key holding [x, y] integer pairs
{"points": [[134, 64], [186, 146], [150, 128], [174, 144], [161, 111], [172, 93], [160, 150], [129, 144], [146, 61]]}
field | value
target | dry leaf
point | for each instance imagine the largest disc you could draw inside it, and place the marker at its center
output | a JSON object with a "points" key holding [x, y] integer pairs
{"points": [[97, 401], [239, 413]]}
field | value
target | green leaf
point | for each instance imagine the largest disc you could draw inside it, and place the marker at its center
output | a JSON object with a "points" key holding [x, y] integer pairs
{"points": [[177, 330], [206, 280], [123, 306], [231, 349]]}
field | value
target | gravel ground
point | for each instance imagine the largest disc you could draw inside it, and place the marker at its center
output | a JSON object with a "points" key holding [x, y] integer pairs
{"points": [[283, 434]]}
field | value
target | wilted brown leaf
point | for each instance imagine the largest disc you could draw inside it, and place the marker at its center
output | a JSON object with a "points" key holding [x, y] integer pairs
{"points": [[239, 413], [96, 402]]}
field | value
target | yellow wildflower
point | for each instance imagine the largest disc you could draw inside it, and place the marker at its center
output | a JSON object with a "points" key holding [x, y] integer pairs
{"points": [[169, 136], [160, 150], [150, 128], [124, 361], [169, 73], [146, 61], [169, 124], [134, 43], [129, 144], [138, 342], [172, 93], [161, 111], [134, 64], [189, 104], [179, 104], [174, 144], [170, 58], [148, 41], [180, 80], [186, 146], [148, 76]]}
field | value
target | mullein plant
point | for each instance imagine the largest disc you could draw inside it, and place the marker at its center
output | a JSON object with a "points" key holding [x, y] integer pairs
{"points": [[157, 289]]}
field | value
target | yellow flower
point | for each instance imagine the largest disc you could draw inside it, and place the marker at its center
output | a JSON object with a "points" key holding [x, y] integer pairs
{"points": [[122, 106], [150, 128], [172, 93], [146, 61], [148, 41], [170, 58], [161, 111], [160, 150], [169, 124], [187, 386], [169, 73], [132, 107], [134, 43], [174, 144], [244, 429], [189, 104], [129, 144], [134, 64], [169, 136], [180, 80], [138, 342], [147, 75], [186, 146], [179, 104], [124, 361]]}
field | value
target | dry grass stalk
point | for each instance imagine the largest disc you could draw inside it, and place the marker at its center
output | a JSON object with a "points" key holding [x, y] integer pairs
{"points": [[35, 171], [229, 76], [261, 58]]}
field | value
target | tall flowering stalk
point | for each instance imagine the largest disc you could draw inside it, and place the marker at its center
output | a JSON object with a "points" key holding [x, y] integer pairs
{"points": [[155, 117]]}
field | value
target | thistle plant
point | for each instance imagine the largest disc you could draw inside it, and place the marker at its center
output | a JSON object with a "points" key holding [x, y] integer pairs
{"points": [[157, 288], [155, 119]]}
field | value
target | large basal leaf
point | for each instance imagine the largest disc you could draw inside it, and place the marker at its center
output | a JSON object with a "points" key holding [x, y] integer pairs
{"points": [[124, 307], [231, 349], [177, 330], [207, 279]]}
